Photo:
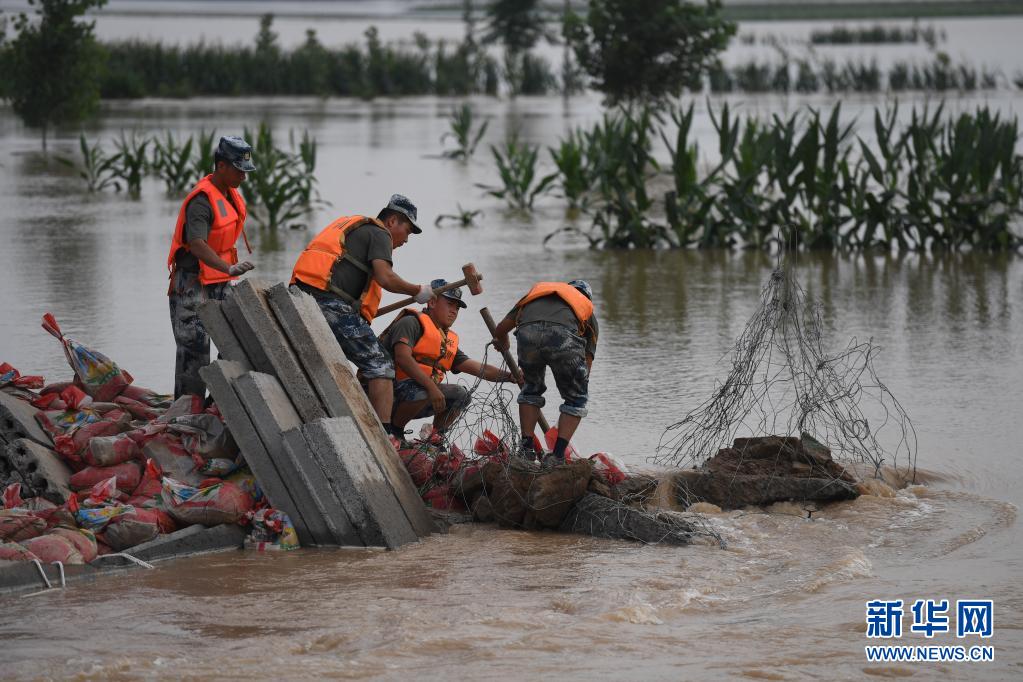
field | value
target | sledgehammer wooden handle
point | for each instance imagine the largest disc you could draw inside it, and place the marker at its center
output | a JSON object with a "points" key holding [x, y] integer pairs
{"points": [[409, 301], [510, 361]]}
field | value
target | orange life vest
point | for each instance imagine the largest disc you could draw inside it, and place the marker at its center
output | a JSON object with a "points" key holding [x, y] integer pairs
{"points": [[434, 352], [316, 264], [580, 305], [228, 224]]}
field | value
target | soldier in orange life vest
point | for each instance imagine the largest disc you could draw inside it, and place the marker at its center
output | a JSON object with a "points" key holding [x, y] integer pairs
{"points": [[203, 259], [425, 348], [556, 328], [345, 268]]}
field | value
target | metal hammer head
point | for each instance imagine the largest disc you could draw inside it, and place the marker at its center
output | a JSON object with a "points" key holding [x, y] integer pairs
{"points": [[473, 279]]}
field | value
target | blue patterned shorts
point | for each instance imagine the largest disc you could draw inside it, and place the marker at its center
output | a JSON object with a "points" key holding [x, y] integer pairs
{"points": [[409, 391], [356, 338]]}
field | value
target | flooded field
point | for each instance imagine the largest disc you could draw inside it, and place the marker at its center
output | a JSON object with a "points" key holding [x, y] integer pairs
{"points": [[784, 599]]}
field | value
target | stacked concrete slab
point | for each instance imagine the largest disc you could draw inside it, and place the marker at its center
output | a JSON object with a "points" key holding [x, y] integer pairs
{"points": [[304, 424]]}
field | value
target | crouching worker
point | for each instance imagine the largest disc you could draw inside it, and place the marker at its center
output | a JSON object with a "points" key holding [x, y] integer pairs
{"points": [[555, 327], [425, 348], [345, 268], [203, 259]]}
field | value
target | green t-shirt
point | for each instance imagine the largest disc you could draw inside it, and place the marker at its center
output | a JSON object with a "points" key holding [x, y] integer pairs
{"points": [[366, 243], [552, 308], [408, 330]]}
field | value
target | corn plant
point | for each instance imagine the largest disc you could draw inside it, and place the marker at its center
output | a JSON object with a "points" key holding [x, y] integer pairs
{"points": [[516, 164], [460, 120], [462, 218], [98, 170], [133, 161], [280, 189], [172, 162], [202, 163], [574, 172]]}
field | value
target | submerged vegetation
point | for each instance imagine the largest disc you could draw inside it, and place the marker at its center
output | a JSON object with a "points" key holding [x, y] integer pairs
{"points": [[802, 182], [281, 189]]}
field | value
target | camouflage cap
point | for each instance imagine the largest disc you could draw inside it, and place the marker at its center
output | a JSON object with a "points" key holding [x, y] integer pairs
{"points": [[401, 204], [236, 152], [452, 294]]}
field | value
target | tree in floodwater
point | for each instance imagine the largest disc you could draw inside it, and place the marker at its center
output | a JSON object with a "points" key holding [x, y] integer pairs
{"points": [[518, 25], [53, 65], [647, 49]]}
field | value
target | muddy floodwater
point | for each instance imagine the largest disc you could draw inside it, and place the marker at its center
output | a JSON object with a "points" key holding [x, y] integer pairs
{"points": [[785, 599]]}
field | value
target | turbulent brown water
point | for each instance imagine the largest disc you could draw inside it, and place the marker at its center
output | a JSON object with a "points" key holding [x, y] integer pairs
{"points": [[784, 600]]}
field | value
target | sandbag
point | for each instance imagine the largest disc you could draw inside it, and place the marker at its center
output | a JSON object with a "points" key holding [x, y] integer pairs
{"points": [[50, 548], [127, 474], [105, 451], [223, 502], [147, 396], [12, 551], [83, 540], [98, 375], [135, 527], [20, 524], [419, 466], [74, 442]]}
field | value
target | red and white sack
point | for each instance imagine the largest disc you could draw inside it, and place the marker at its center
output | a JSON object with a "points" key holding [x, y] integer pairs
{"points": [[50, 548]]}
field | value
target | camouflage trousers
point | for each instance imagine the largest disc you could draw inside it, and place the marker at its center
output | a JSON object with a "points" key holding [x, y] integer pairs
{"points": [[548, 344], [356, 338], [193, 343]]}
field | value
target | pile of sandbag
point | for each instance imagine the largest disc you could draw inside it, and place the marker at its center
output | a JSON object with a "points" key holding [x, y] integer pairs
{"points": [[495, 486], [134, 464]]}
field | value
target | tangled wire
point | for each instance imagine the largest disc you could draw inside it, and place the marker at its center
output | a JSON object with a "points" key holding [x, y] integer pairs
{"points": [[783, 381]]}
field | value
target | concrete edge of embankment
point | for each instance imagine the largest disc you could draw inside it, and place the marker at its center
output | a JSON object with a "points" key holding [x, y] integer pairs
{"points": [[24, 576]]}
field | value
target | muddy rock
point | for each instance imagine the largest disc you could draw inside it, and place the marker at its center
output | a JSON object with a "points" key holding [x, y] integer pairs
{"points": [[522, 495], [602, 517]]}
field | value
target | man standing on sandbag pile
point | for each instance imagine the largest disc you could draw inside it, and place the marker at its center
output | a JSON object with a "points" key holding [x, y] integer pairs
{"points": [[425, 348], [345, 268], [203, 259], [556, 328]]}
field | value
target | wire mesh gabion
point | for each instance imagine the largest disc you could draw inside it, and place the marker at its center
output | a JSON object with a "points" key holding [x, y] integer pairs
{"points": [[782, 381]]}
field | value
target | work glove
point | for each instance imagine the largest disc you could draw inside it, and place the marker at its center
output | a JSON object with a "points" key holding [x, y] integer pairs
{"points": [[240, 268], [425, 294]]}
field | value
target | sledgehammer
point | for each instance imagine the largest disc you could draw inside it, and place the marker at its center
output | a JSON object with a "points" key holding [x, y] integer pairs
{"points": [[510, 361], [472, 279]]}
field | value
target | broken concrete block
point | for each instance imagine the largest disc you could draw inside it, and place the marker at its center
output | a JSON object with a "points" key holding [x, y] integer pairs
{"points": [[272, 414], [245, 334], [220, 330], [284, 365], [18, 420], [41, 470], [327, 369], [219, 376], [365, 494]]}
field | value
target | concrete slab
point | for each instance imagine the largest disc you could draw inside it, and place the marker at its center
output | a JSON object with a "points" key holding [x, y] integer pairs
{"points": [[272, 414], [188, 541], [316, 476], [327, 368], [252, 304], [245, 334], [366, 495], [228, 345], [23, 576], [41, 470], [18, 420], [219, 376]]}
